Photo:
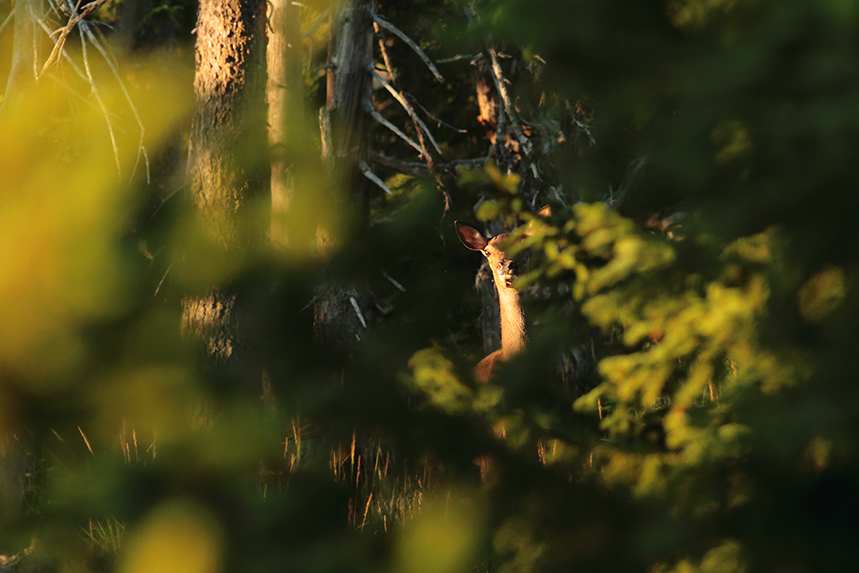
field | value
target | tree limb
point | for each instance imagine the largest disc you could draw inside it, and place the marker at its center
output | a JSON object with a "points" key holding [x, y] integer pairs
{"points": [[397, 32], [67, 29], [402, 100], [368, 173], [418, 169], [378, 117]]}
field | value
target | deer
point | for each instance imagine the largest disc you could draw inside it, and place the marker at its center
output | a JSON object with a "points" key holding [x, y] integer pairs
{"points": [[505, 270]]}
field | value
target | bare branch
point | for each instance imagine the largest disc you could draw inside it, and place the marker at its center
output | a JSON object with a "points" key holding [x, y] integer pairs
{"points": [[397, 32], [417, 169], [101, 103], [368, 173], [399, 97], [440, 121], [509, 108], [378, 117], [310, 33], [161, 282], [358, 311], [7, 20], [456, 58], [400, 287], [383, 49], [67, 29], [141, 150]]}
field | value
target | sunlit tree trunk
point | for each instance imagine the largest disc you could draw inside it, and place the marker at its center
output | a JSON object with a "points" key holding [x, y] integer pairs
{"points": [[284, 92], [228, 156]]}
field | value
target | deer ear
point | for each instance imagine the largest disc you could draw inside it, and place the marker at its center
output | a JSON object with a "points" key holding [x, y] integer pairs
{"points": [[470, 237]]}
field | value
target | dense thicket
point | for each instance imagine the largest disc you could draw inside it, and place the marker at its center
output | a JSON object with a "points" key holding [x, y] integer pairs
{"points": [[686, 401]]}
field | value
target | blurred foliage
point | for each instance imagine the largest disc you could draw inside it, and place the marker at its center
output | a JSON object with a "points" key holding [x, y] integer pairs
{"points": [[699, 259]]}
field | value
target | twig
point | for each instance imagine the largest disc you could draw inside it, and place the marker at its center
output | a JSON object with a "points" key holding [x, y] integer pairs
{"points": [[141, 149], [397, 32], [368, 173], [161, 282], [386, 58], [358, 311], [7, 20], [310, 33], [101, 103], [455, 58], [167, 198], [399, 97], [67, 29], [68, 58], [86, 441], [439, 120], [393, 282], [315, 26], [375, 115], [421, 129]]}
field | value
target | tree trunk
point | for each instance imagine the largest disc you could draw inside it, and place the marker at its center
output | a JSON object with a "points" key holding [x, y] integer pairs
{"points": [[341, 315], [285, 106], [227, 160], [349, 99]]}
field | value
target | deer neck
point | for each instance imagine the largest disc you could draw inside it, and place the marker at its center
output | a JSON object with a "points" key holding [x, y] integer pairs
{"points": [[512, 320]]}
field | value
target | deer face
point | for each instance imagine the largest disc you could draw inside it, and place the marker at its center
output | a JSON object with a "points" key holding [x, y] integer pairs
{"points": [[504, 268]]}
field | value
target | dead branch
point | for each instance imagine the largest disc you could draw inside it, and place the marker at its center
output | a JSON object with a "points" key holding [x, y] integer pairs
{"points": [[368, 173], [509, 108], [456, 58], [100, 102], [7, 20], [397, 32], [64, 32], [383, 49], [403, 102], [438, 120], [141, 149], [417, 169], [311, 32], [378, 117]]}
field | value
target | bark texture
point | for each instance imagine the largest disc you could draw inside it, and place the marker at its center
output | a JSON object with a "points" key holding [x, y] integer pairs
{"points": [[342, 313], [227, 158], [228, 128], [350, 98]]}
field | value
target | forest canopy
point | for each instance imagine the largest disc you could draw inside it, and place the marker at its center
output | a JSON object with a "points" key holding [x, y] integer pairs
{"points": [[241, 320]]}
